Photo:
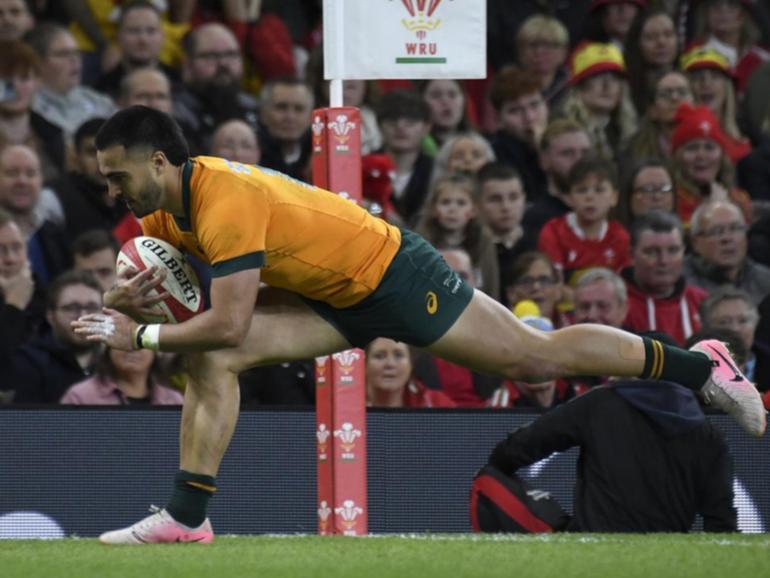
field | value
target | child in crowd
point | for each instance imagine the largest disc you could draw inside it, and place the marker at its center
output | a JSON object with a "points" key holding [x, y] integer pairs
{"points": [[501, 200], [465, 153], [586, 237], [450, 220]]}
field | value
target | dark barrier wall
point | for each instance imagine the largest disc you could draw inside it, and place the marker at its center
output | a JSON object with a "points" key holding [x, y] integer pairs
{"points": [[89, 470]]}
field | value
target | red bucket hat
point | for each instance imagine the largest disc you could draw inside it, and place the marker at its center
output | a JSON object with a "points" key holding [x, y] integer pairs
{"points": [[699, 122], [592, 58]]}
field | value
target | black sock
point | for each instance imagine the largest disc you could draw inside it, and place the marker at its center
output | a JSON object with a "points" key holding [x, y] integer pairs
{"points": [[191, 498], [687, 368]]}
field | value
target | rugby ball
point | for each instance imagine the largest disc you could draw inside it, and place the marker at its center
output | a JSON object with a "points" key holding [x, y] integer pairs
{"points": [[185, 298]]}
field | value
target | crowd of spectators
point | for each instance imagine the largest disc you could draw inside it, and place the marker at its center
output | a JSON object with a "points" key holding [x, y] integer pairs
{"points": [[612, 168]]}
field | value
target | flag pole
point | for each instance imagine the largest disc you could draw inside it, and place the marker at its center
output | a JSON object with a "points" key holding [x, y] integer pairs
{"points": [[335, 84]]}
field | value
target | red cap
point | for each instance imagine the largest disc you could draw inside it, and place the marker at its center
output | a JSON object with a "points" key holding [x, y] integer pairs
{"points": [[596, 4], [699, 122]]}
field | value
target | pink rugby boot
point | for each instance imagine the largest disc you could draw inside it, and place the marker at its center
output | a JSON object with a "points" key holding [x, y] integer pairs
{"points": [[729, 390], [159, 528]]}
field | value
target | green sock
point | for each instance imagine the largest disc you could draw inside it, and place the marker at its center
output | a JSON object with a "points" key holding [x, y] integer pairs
{"points": [[190, 498], [668, 363]]}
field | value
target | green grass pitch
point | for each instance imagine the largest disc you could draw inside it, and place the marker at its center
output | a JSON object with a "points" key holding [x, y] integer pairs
{"points": [[423, 556]]}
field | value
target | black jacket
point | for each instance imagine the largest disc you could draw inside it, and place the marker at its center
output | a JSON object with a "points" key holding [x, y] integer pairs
{"points": [[52, 148], [649, 459], [199, 113], [55, 248], [85, 206], [41, 371], [272, 155], [518, 154], [17, 326], [412, 199]]}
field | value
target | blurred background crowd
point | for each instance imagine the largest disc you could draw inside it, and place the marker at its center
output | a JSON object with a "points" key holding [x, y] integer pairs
{"points": [[613, 167]]}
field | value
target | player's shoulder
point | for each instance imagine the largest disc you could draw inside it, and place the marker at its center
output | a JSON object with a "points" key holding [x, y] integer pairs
{"points": [[221, 179], [204, 166]]}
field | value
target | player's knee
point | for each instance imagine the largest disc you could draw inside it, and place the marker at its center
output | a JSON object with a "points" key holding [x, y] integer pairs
{"points": [[533, 360], [210, 369]]}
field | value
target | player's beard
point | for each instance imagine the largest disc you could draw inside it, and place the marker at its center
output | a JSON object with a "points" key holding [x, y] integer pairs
{"points": [[149, 199]]}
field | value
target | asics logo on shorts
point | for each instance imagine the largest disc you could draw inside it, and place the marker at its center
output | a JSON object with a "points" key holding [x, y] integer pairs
{"points": [[431, 302]]}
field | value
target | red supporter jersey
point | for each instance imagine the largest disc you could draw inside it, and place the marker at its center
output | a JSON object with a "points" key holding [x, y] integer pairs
{"points": [[676, 315], [563, 241], [417, 395]]}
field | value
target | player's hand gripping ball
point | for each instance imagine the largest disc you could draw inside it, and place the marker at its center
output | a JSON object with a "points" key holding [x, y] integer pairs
{"points": [[185, 299]]}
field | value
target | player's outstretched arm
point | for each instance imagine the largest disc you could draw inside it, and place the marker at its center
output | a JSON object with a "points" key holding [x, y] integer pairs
{"points": [[225, 324]]}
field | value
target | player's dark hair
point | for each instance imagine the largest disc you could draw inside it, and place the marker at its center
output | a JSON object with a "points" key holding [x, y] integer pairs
{"points": [[143, 127], [403, 104], [496, 171], [656, 221], [88, 129], [68, 279], [593, 166], [89, 242]]}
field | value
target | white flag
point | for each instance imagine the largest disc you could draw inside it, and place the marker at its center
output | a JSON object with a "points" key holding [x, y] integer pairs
{"points": [[366, 39]]}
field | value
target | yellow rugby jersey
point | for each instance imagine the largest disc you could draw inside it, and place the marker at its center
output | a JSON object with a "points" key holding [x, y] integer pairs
{"points": [[305, 239]]}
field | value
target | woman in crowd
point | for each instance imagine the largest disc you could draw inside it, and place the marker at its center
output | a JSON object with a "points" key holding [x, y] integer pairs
{"points": [[712, 85], [648, 186], [653, 139], [448, 109], [389, 380], [599, 98], [611, 20], [729, 27], [701, 162], [533, 276], [542, 42], [650, 50], [124, 378]]}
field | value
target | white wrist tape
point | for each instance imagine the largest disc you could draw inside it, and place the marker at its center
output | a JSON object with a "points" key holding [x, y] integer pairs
{"points": [[151, 337]]}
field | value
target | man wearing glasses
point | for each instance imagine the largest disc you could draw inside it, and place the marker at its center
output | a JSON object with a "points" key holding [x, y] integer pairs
{"points": [[212, 71], [719, 241], [43, 369]]}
